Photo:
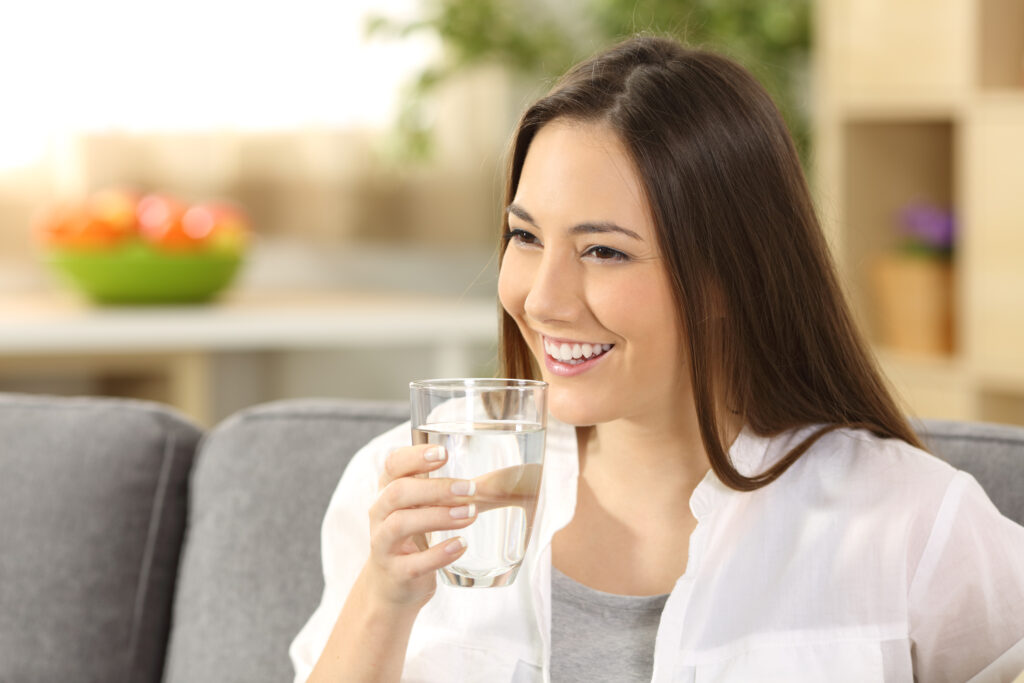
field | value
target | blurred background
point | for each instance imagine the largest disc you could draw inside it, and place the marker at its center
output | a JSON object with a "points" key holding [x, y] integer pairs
{"points": [[365, 140]]}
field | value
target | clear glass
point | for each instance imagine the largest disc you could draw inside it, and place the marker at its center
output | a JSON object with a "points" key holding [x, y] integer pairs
{"points": [[493, 430]]}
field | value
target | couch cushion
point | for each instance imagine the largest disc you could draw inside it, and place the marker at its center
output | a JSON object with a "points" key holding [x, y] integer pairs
{"points": [[92, 503], [251, 572], [993, 454]]}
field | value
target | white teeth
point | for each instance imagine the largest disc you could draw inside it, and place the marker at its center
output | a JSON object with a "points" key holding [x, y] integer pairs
{"points": [[574, 354]]}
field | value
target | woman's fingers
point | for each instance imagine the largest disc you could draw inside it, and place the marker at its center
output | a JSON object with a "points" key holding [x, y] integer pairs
{"points": [[410, 461], [413, 492], [390, 536], [418, 565]]}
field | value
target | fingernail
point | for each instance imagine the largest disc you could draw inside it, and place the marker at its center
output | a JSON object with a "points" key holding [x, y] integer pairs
{"points": [[463, 487], [463, 511], [455, 545], [434, 454]]}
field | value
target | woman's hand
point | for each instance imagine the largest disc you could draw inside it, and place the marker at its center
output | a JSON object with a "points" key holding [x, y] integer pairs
{"points": [[401, 568], [370, 637]]}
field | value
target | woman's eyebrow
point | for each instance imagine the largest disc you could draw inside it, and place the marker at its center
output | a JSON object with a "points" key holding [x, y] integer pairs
{"points": [[588, 228], [521, 213], [603, 226]]}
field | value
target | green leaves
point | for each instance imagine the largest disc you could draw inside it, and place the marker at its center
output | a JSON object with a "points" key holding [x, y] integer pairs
{"points": [[532, 37]]}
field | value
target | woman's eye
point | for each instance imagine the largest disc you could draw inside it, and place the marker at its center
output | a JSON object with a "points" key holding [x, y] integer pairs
{"points": [[521, 237], [605, 254]]}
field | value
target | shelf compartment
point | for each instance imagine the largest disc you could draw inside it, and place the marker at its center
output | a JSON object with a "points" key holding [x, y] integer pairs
{"points": [[887, 166], [1001, 44]]}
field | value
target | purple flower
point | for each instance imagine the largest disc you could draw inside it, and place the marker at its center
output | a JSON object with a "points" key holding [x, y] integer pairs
{"points": [[928, 226]]}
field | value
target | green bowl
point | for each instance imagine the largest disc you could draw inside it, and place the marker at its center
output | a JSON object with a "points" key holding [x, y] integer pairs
{"points": [[137, 273]]}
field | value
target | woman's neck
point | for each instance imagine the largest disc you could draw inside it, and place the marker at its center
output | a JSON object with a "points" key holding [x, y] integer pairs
{"points": [[633, 495], [656, 459]]}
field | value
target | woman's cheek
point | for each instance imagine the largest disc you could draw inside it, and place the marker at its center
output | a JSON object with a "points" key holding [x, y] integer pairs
{"points": [[509, 287], [505, 288], [639, 298]]}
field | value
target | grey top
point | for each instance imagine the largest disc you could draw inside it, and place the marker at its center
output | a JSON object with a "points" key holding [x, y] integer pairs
{"points": [[599, 636]]}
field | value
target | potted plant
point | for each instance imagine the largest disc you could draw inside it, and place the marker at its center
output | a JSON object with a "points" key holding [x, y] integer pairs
{"points": [[914, 282], [536, 41]]}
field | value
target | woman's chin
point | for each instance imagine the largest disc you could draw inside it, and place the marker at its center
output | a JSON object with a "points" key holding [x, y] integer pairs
{"points": [[572, 412]]}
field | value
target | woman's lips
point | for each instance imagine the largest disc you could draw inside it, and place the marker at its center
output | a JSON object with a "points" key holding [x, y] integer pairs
{"points": [[567, 358]]}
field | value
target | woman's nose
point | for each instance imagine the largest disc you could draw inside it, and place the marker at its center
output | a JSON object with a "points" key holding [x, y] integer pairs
{"points": [[554, 294]]}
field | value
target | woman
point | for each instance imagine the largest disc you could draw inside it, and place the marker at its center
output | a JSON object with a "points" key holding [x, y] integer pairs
{"points": [[730, 492]]}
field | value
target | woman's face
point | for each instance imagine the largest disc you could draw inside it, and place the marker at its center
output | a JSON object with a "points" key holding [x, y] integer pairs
{"points": [[584, 280]]}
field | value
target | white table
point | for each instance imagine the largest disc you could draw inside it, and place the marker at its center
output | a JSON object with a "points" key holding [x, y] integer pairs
{"points": [[172, 346]]}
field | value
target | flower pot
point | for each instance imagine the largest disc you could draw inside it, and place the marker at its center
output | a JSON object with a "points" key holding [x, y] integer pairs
{"points": [[914, 303]]}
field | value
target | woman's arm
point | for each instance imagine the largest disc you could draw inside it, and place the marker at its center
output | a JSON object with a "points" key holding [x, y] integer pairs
{"points": [[369, 639], [967, 596], [368, 642]]}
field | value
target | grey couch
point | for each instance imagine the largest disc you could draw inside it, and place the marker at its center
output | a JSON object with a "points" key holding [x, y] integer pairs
{"points": [[136, 548]]}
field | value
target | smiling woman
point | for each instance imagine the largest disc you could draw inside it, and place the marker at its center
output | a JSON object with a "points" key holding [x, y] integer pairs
{"points": [[720, 192], [729, 492]]}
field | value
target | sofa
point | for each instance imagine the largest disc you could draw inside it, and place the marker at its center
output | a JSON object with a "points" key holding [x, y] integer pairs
{"points": [[137, 547]]}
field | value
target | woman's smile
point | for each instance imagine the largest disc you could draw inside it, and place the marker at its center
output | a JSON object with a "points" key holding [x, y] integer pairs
{"points": [[568, 358], [573, 353]]}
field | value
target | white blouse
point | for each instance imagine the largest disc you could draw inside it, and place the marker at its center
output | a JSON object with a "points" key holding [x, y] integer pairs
{"points": [[868, 560]]}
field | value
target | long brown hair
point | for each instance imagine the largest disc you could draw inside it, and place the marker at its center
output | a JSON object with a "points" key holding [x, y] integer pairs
{"points": [[767, 330]]}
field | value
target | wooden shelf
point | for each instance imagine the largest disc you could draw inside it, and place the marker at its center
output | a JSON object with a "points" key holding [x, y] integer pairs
{"points": [[999, 406], [931, 386], [1000, 380], [896, 46], [923, 100], [887, 106], [1010, 99]]}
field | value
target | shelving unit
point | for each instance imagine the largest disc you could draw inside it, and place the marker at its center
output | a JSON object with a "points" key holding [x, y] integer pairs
{"points": [[923, 101]]}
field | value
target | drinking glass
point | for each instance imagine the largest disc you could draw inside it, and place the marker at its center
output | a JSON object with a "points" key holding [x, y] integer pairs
{"points": [[493, 431]]}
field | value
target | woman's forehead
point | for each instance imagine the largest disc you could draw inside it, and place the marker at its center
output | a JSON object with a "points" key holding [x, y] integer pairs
{"points": [[575, 169]]}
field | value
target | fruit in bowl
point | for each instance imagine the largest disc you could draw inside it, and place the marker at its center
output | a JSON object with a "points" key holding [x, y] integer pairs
{"points": [[120, 247]]}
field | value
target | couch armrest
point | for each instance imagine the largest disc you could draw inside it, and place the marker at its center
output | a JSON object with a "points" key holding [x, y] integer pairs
{"points": [[93, 502]]}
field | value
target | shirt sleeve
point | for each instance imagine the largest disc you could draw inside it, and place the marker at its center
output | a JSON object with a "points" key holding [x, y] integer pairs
{"points": [[966, 599], [345, 545]]}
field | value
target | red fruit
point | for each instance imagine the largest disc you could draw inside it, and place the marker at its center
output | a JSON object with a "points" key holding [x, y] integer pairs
{"points": [[160, 222], [219, 225]]}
